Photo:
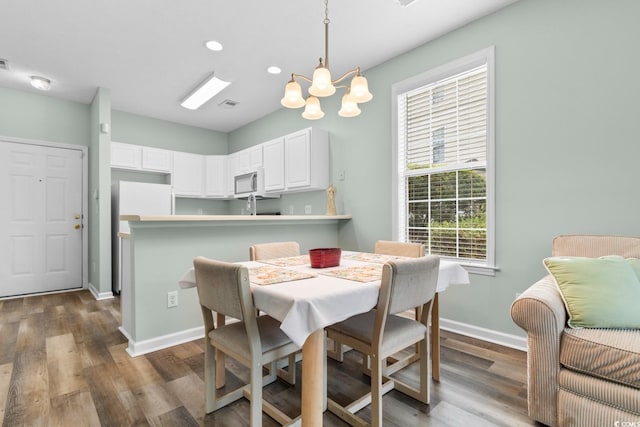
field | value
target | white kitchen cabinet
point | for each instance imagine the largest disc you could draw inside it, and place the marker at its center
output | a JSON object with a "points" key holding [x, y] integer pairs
{"points": [[248, 160], [140, 158], [157, 160], [188, 174], [306, 159], [273, 156], [126, 156], [256, 157], [216, 177]]}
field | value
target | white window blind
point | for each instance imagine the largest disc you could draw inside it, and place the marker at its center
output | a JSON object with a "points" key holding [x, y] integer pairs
{"points": [[443, 141]]}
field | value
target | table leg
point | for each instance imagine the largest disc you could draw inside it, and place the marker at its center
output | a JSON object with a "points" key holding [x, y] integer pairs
{"points": [[435, 340], [313, 366]]}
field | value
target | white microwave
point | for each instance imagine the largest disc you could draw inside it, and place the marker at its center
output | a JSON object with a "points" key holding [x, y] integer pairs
{"points": [[250, 183]]}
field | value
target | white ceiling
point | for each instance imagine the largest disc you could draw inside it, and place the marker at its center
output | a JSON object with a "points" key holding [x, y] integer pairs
{"points": [[151, 54]]}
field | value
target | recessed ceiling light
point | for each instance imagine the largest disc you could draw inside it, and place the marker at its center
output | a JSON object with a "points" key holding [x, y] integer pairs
{"points": [[207, 90], [404, 3], [214, 45], [274, 69], [40, 83]]}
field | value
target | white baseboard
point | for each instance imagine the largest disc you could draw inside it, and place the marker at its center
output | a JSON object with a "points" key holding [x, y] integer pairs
{"points": [[147, 346], [97, 294], [507, 340]]}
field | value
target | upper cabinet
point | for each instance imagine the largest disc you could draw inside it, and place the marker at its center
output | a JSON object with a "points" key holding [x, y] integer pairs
{"points": [[216, 177], [188, 174], [126, 156], [141, 158], [273, 155], [292, 163], [297, 162], [157, 159], [248, 160]]}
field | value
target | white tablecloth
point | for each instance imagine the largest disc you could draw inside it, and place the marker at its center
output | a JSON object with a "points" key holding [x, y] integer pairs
{"points": [[304, 306]]}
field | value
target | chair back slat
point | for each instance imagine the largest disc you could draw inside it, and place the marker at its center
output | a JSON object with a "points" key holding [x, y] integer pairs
{"points": [[220, 286], [412, 282], [273, 250], [412, 250]]}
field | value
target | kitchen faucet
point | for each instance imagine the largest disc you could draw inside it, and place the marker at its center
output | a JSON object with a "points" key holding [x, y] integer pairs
{"points": [[251, 204]]}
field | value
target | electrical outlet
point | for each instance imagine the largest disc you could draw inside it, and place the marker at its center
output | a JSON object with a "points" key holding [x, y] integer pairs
{"points": [[172, 299], [341, 175], [307, 209], [290, 209]]}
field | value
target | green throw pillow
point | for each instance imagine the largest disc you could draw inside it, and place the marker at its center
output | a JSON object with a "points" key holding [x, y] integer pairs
{"points": [[598, 292]]}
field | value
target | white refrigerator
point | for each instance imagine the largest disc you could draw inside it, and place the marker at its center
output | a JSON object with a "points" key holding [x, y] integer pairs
{"points": [[135, 198]]}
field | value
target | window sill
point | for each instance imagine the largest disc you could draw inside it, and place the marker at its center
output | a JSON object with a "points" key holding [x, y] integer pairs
{"points": [[479, 269]]}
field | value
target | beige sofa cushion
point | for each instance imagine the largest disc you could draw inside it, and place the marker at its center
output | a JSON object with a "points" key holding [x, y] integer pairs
{"points": [[587, 401], [611, 354]]}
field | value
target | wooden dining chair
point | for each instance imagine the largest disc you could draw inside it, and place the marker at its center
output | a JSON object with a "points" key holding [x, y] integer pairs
{"points": [[262, 251], [254, 341], [273, 250], [386, 247], [381, 333], [406, 249]]}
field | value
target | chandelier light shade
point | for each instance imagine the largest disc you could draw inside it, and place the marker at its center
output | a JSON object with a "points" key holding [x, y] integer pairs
{"points": [[360, 89], [312, 109], [293, 95], [349, 106], [322, 85]]}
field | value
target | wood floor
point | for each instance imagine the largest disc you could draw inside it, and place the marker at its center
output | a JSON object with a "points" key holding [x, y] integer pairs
{"points": [[63, 363]]}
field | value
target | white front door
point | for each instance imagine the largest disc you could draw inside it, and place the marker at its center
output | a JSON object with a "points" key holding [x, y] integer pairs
{"points": [[40, 219]]}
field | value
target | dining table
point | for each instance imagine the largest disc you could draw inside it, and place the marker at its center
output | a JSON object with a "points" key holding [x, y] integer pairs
{"points": [[306, 300]]}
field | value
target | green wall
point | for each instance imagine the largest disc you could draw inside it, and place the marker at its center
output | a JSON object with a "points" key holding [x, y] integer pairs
{"points": [[35, 116], [566, 139], [141, 130]]}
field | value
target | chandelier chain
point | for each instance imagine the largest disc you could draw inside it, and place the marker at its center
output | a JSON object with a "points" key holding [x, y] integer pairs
{"points": [[326, 11]]}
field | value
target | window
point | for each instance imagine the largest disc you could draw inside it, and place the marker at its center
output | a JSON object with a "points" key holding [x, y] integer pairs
{"points": [[443, 161], [438, 145]]}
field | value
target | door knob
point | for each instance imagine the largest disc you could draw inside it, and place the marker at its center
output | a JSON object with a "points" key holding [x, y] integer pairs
{"points": [[76, 226], [76, 217]]}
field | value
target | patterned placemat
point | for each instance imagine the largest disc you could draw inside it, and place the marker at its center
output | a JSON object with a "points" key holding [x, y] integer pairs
{"points": [[288, 262], [372, 258], [360, 273], [268, 275]]}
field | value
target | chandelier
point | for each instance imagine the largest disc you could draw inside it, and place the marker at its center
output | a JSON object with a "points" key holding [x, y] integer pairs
{"points": [[322, 85]]}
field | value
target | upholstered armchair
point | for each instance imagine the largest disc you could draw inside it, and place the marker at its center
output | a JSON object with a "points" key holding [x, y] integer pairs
{"points": [[579, 377]]}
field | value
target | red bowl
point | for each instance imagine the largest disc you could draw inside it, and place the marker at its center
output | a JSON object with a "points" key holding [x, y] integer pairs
{"points": [[325, 257]]}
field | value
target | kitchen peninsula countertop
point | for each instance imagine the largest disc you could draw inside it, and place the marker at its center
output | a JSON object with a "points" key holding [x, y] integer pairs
{"points": [[261, 218]]}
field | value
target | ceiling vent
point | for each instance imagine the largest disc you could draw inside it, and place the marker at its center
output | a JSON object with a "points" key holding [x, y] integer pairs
{"points": [[4, 64], [227, 103]]}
